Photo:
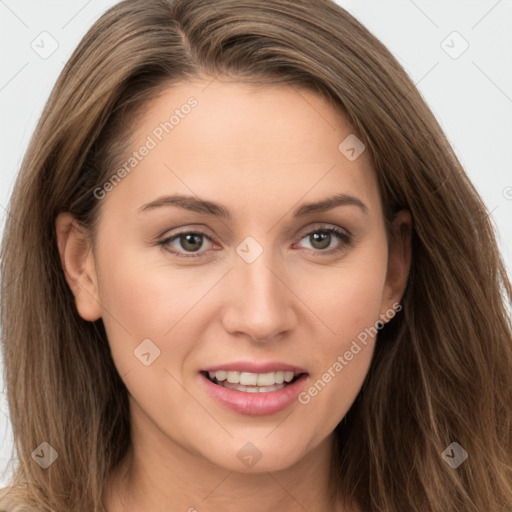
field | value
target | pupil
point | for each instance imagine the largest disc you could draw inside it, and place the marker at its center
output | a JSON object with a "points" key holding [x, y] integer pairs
{"points": [[323, 237], [191, 246]]}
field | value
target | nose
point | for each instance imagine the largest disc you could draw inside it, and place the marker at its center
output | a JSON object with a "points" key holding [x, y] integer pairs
{"points": [[261, 303]]}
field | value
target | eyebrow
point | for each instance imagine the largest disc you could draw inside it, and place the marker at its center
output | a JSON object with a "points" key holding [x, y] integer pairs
{"points": [[217, 210]]}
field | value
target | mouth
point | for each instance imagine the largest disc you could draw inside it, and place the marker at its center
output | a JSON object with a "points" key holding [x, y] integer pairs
{"points": [[248, 382], [254, 389]]}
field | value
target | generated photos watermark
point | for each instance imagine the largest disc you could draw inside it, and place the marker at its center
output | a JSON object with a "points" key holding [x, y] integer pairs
{"points": [[152, 141], [343, 360]]}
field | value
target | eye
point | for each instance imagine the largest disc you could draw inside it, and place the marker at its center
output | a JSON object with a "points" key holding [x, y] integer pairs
{"points": [[186, 243], [321, 239], [189, 241]]}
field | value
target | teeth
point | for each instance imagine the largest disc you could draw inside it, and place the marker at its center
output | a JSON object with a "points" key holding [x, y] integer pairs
{"points": [[265, 379], [220, 375], [250, 379], [234, 377], [251, 389], [253, 379]]}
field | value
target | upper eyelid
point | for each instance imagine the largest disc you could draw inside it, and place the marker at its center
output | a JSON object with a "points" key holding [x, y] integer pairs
{"points": [[318, 226]]}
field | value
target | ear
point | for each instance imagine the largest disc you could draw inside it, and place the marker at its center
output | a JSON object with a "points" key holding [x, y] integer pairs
{"points": [[77, 260], [399, 263]]}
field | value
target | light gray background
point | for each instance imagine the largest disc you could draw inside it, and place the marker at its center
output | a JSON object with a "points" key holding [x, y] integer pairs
{"points": [[471, 95]]}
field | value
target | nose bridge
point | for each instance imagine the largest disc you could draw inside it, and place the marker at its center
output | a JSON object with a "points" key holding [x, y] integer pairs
{"points": [[260, 284], [260, 303]]}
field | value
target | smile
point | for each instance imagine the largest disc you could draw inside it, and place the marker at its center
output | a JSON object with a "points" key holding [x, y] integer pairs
{"points": [[254, 389], [253, 382]]}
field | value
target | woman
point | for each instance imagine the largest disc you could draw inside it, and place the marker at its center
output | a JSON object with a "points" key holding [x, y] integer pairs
{"points": [[244, 269]]}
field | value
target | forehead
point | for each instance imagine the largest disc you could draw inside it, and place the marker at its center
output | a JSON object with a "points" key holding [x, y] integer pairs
{"points": [[259, 144]]}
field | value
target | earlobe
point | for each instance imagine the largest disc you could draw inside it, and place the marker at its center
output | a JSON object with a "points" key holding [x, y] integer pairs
{"points": [[78, 264], [399, 262]]}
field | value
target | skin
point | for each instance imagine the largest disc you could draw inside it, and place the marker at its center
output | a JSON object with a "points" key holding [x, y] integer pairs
{"points": [[261, 152]]}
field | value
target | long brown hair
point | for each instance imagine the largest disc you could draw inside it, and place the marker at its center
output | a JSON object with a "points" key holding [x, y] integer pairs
{"points": [[442, 369]]}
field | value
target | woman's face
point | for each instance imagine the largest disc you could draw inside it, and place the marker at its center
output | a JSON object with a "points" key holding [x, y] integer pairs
{"points": [[256, 286]]}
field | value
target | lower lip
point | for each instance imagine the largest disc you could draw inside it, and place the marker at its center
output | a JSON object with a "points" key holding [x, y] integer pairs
{"points": [[255, 404]]}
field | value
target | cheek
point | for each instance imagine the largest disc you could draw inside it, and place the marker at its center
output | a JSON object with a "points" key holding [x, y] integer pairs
{"points": [[348, 297], [349, 306], [147, 297]]}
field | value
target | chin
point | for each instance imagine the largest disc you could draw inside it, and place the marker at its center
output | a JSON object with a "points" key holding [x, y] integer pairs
{"points": [[257, 456]]}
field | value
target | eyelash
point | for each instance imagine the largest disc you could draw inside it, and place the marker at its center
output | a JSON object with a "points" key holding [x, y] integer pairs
{"points": [[342, 236]]}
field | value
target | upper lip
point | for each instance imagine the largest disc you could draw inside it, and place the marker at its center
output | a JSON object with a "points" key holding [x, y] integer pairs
{"points": [[251, 367]]}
